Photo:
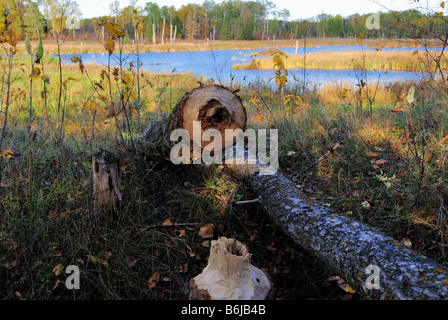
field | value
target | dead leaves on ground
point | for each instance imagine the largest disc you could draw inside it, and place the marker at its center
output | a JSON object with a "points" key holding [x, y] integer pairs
{"points": [[206, 232], [343, 285], [154, 279]]}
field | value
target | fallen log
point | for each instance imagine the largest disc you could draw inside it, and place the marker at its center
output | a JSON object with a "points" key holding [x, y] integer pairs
{"points": [[206, 107], [374, 264]]}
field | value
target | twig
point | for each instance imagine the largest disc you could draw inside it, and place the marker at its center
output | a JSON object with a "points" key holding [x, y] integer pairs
{"points": [[247, 201], [174, 224]]}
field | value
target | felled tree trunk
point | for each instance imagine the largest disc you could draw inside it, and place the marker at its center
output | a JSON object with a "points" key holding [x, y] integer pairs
{"points": [[354, 250], [229, 275], [214, 106], [106, 182], [374, 264]]}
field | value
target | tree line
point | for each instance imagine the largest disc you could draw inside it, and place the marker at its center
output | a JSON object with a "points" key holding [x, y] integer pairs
{"points": [[228, 20]]}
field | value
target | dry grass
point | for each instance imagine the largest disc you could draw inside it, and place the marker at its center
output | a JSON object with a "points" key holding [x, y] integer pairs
{"points": [[90, 46], [349, 60]]}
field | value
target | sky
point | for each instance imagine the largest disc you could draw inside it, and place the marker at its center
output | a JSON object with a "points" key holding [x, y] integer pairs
{"points": [[299, 9]]}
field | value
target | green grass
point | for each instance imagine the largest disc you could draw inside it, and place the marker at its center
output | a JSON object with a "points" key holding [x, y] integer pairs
{"points": [[135, 244]]}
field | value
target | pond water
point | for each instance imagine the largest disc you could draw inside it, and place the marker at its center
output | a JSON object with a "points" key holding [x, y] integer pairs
{"points": [[217, 65]]}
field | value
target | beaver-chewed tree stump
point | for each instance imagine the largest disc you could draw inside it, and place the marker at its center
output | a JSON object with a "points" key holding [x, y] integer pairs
{"points": [[229, 275], [106, 182]]}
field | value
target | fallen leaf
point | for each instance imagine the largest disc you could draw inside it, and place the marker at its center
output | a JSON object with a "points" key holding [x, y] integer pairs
{"points": [[407, 242], [167, 223], [372, 154], [379, 162], [272, 248], [206, 232], [58, 270], [97, 260], [154, 279], [401, 109], [344, 286]]}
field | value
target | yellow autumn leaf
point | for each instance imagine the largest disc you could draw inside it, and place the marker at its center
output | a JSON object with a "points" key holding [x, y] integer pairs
{"points": [[344, 93], [102, 22], [258, 118], [110, 46], [91, 104], [36, 72], [443, 4], [127, 78], [76, 59], [8, 154], [110, 28], [97, 260]]}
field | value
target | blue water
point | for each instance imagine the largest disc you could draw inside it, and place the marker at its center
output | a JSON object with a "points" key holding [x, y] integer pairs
{"points": [[217, 65]]}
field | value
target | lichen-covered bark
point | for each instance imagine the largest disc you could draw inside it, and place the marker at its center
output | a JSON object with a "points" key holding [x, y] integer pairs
{"points": [[346, 245]]}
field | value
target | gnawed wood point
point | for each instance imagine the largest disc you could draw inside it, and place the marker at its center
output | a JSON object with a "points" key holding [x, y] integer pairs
{"points": [[229, 275], [106, 182]]}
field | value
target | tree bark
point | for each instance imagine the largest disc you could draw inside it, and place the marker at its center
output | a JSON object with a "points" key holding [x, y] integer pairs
{"points": [[352, 249], [215, 106], [106, 182]]}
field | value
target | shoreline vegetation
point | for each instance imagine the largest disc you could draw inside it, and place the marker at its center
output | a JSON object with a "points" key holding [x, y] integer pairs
{"points": [[96, 47], [350, 60]]}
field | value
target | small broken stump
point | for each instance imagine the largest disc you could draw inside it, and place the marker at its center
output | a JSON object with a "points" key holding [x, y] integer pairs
{"points": [[106, 182], [229, 275]]}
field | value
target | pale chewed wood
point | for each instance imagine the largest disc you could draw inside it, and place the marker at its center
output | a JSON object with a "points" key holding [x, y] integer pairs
{"points": [[229, 275]]}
